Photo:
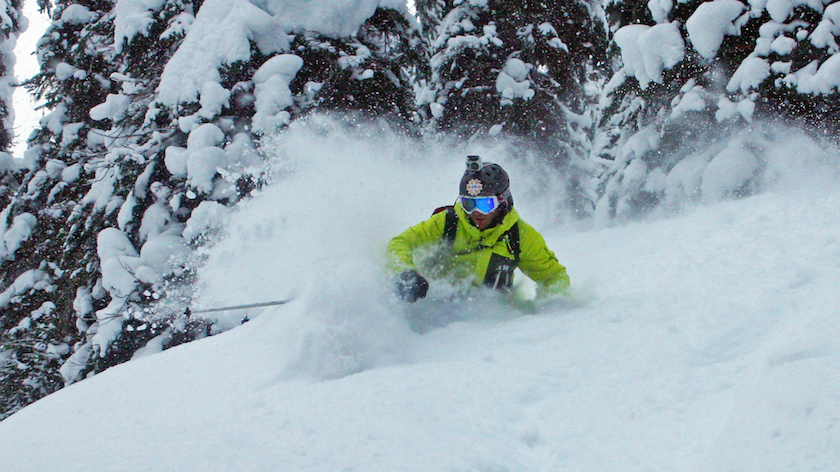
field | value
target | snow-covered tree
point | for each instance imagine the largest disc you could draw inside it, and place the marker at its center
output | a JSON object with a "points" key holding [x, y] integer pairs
{"points": [[10, 172], [157, 109], [34, 338], [370, 72], [515, 69], [690, 76], [10, 27]]}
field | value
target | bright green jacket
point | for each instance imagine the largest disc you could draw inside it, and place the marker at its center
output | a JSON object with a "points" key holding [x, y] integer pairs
{"points": [[474, 251]]}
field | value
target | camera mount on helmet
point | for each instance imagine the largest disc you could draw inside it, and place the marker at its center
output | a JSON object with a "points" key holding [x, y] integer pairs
{"points": [[474, 163]]}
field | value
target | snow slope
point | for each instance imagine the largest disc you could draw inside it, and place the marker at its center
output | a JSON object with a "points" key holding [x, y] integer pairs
{"points": [[706, 341]]}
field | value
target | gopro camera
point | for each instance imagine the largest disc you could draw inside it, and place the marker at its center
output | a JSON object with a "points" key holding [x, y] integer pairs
{"points": [[473, 163]]}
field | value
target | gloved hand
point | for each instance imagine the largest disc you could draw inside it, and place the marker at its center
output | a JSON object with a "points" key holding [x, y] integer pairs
{"points": [[411, 286]]}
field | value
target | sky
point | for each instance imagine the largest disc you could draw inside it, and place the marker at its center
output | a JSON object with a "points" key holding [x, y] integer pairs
{"points": [[26, 117], [699, 340]]}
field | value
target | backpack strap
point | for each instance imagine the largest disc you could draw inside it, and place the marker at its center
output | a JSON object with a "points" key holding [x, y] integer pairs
{"points": [[500, 269], [513, 242], [450, 225]]}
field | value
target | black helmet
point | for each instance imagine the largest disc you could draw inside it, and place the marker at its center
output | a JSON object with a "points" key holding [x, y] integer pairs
{"points": [[486, 179]]}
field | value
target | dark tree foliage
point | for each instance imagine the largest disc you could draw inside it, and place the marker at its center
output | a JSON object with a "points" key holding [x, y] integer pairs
{"points": [[776, 98], [622, 13], [786, 92], [780, 100], [10, 175], [369, 73], [548, 48]]}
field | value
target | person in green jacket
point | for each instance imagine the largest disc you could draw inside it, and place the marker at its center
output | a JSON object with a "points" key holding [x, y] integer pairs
{"points": [[480, 240]]}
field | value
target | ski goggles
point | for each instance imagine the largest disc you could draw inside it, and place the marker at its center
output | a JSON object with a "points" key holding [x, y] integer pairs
{"points": [[484, 205]]}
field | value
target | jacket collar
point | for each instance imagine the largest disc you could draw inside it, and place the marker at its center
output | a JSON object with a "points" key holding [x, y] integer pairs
{"points": [[490, 235]]}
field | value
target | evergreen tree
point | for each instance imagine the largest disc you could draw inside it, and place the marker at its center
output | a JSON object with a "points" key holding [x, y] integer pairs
{"points": [[134, 157], [36, 333], [370, 73], [9, 30], [60, 315], [10, 174], [511, 69], [726, 66]]}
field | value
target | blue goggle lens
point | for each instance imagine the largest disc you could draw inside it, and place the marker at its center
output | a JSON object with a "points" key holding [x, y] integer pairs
{"points": [[481, 204]]}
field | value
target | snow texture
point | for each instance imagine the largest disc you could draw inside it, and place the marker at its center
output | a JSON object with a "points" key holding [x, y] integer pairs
{"points": [[728, 171], [659, 9], [12, 23], [77, 14], [203, 157], [207, 217], [114, 107], [513, 80], [647, 51], [828, 29], [123, 268], [272, 92], [709, 24], [16, 234], [822, 80], [717, 353], [749, 75], [29, 280], [693, 99]]}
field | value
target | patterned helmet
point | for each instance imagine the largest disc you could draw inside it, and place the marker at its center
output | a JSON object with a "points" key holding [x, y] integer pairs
{"points": [[486, 179]]}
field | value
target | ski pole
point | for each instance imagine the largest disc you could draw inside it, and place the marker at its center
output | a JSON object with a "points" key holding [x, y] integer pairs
{"points": [[188, 312]]}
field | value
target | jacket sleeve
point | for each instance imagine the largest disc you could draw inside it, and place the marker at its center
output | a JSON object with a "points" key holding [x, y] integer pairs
{"points": [[401, 248], [539, 263]]}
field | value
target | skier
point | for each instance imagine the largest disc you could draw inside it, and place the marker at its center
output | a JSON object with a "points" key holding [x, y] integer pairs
{"points": [[480, 239]]}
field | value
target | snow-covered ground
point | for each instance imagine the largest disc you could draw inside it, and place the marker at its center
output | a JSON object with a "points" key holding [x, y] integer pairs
{"points": [[703, 341]]}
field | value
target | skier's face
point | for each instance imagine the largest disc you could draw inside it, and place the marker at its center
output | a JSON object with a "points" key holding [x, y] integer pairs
{"points": [[483, 221]]}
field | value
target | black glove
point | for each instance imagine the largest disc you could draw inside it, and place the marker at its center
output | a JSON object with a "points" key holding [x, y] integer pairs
{"points": [[411, 286]]}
